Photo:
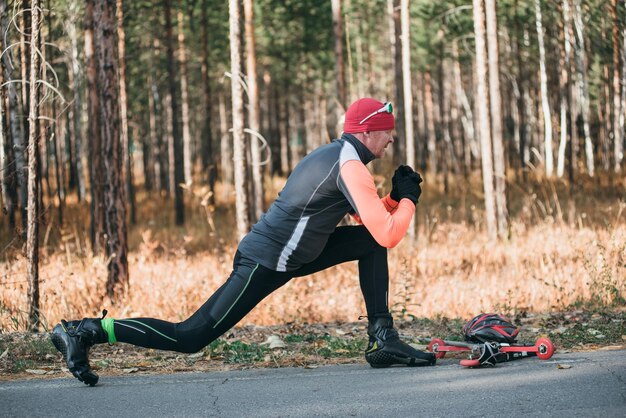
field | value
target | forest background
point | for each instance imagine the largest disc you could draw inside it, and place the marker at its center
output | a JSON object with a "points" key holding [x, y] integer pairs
{"points": [[131, 163]]}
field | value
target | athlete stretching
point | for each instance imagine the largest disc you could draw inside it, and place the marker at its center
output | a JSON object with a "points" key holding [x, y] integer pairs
{"points": [[297, 236]]}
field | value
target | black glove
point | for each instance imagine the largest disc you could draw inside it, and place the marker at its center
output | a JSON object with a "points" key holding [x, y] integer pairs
{"points": [[401, 171], [405, 183]]}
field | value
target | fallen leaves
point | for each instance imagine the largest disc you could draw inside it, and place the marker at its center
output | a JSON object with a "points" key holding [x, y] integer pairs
{"points": [[36, 371], [274, 341]]}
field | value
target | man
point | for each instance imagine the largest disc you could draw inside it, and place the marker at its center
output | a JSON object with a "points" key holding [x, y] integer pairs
{"points": [[297, 236]]}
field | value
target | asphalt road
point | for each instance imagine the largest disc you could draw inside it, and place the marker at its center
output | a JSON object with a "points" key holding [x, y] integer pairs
{"points": [[594, 385]]}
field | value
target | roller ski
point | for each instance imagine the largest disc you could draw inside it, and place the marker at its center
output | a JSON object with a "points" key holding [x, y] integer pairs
{"points": [[490, 339], [490, 353]]}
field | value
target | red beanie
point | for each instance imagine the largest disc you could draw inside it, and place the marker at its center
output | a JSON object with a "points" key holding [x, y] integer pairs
{"points": [[363, 108]]}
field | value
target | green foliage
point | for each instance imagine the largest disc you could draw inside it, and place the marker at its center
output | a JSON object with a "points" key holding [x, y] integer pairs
{"points": [[237, 351], [295, 38], [605, 329], [294, 338], [22, 364]]}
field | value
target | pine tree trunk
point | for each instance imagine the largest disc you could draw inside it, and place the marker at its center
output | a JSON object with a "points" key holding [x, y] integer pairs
{"points": [[226, 153], [545, 99], [456, 147], [483, 117], [407, 93], [296, 110], [467, 117], [107, 56], [521, 116], [443, 113], [339, 65], [184, 92], [71, 115], [622, 114], [350, 89], [56, 131], [8, 205], [176, 146], [564, 85], [168, 145], [448, 115], [163, 129], [96, 165], [32, 240], [391, 56], [522, 103], [321, 110], [127, 158], [45, 132], [253, 112], [430, 123], [309, 108], [239, 149], [583, 85], [398, 77], [603, 146], [510, 90], [406, 84], [42, 125], [25, 27], [150, 143], [495, 102], [618, 146], [283, 127], [358, 46], [421, 121], [572, 93], [209, 161], [76, 73], [607, 116], [20, 141], [17, 193], [57, 140]]}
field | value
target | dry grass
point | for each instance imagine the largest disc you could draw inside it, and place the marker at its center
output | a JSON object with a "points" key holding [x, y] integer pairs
{"points": [[562, 253]]}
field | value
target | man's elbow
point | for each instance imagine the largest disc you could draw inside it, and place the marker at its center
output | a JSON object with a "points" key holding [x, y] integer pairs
{"points": [[388, 241]]}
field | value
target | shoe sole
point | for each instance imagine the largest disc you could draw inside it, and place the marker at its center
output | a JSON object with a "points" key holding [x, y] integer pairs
{"points": [[381, 359], [86, 376]]}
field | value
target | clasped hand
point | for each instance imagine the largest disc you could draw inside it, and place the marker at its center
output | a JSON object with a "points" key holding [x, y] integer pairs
{"points": [[406, 184]]}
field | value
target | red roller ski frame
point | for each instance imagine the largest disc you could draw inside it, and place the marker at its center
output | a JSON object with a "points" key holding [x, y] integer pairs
{"points": [[543, 349]]}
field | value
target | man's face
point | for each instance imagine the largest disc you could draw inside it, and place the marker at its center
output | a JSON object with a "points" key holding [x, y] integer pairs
{"points": [[377, 141]]}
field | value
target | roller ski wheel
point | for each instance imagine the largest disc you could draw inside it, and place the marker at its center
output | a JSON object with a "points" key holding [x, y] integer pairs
{"points": [[545, 348], [434, 345], [470, 363]]}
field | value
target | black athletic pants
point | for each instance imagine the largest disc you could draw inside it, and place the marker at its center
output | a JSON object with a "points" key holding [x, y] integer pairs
{"points": [[250, 282]]}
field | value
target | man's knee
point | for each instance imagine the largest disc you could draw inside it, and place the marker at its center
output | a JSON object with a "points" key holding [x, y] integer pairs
{"points": [[365, 235], [192, 342], [193, 334]]}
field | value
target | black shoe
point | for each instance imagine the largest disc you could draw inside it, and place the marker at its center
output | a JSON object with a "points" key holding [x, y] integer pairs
{"points": [[74, 339], [386, 349]]}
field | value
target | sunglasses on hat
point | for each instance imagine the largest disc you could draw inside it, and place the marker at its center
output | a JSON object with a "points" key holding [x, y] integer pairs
{"points": [[387, 108]]}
